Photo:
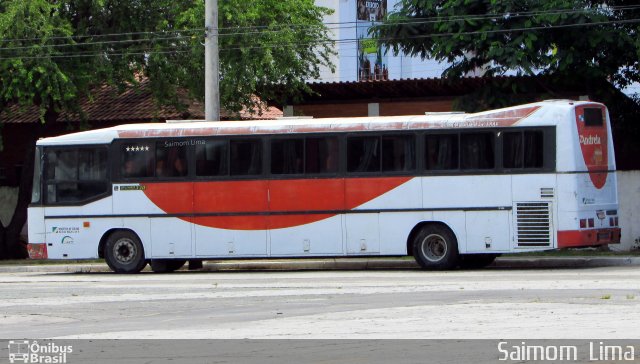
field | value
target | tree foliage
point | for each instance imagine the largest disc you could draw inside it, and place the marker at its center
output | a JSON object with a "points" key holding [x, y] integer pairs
{"points": [[590, 38], [53, 53], [263, 43]]}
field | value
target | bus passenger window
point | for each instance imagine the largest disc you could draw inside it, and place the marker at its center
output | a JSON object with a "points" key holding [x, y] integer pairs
{"points": [[523, 149], [287, 156], [246, 157], [171, 159], [398, 153], [441, 152], [136, 160], [321, 155], [363, 154], [212, 158], [477, 151], [533, 149], [512, 150]]}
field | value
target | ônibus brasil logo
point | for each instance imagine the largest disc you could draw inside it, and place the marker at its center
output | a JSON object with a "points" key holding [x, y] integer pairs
{"points": [[25, 351]]}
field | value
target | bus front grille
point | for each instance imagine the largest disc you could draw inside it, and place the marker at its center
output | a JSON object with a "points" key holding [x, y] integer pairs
{"points": [[533, 224]]}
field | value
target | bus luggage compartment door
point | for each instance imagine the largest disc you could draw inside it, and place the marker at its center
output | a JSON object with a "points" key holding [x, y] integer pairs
{"points": [[170, 237]]}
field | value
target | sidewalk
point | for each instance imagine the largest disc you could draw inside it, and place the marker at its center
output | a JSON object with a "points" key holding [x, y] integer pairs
{"points": [[528, 262]]}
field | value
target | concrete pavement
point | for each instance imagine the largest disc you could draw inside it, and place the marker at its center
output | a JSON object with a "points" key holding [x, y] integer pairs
{"points": [[510, 262]]}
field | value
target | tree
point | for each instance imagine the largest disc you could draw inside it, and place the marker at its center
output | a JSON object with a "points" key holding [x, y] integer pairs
{"points": [[590, 38], [53, 53]]}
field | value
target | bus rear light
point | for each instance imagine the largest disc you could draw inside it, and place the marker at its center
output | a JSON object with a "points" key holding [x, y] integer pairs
{"points": [[611, 222], [583, 223], [615, 221], [37, 251], [591, 223]]}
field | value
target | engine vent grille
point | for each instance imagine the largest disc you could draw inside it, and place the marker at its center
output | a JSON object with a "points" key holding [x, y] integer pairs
{"points": [[546, 192], [533, 224]]}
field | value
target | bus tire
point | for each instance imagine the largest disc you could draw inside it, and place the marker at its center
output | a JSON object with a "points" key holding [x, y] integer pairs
{"points": [[166, 265], [124, 253], [435, 247], [476, 261]]}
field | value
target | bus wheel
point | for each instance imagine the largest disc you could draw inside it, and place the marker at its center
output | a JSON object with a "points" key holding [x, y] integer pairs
{"points": [[435, 247], [166, 265], [124, 252], [476, 261]]}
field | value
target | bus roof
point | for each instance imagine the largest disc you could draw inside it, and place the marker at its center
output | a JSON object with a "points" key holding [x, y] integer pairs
{"points": [[540, 113]]}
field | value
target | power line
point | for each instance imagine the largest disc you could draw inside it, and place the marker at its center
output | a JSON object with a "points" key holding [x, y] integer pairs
{"points": [[414, 21], [454, 18], [102, 35], [316, 43]]}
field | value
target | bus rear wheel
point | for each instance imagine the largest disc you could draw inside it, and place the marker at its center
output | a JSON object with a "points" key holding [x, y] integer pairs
{"points": [[435, 247], [124, 253], [166, 265]]}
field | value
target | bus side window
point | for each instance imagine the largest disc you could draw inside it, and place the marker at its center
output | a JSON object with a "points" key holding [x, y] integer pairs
{"points": [[477, 150], [136, 160], [75, 174], [398, 153], [287, 156], [523, 149], [246, 157], [363, 154], [533, 149], [441, 152], [512, 150], [212, 158], [321, 154], [171, 161]]}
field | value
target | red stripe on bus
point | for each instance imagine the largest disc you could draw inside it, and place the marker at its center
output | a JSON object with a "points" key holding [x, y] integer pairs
{"points": [[258, 198], [579, 238]]}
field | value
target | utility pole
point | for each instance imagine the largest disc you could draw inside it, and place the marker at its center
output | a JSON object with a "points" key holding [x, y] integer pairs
{"points": [[211, 62]]}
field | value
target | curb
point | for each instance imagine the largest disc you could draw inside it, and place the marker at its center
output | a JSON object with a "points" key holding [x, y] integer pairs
{"points": [[342, 264]]}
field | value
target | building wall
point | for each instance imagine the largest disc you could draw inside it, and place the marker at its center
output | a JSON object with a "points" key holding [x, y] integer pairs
{"points": [[415, 107], [331, 110], [355, 109], [629, 209], [346, 29]]}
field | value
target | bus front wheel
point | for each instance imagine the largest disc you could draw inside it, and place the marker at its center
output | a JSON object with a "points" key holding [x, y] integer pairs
{"points": [[124, 252], [436, 247]]}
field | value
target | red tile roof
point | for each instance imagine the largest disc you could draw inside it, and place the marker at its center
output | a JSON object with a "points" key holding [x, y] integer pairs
{"points": [[135, 104]]}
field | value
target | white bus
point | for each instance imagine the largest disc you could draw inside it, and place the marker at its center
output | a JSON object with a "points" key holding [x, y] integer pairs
{"points": [[450, 189]]}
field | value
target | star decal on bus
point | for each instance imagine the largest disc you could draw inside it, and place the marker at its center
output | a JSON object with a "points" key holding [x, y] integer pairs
{"points": [[137, 148]]}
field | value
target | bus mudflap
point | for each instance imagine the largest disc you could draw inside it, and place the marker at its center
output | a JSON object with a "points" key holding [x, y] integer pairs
{"points": [[37, 251]]}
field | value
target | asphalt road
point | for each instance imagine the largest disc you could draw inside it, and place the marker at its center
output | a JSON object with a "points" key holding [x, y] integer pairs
{"points": [[598, 303]]}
